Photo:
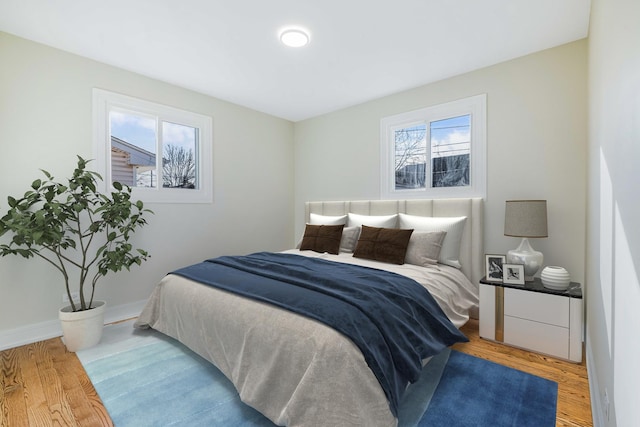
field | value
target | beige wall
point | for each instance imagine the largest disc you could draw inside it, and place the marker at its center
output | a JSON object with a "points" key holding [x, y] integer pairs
{"points": [[613, 267], [45, 120], [537, 146]]}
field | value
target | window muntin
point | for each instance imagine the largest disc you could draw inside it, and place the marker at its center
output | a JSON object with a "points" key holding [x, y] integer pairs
{"points": [[435, 152], [163, 153]]}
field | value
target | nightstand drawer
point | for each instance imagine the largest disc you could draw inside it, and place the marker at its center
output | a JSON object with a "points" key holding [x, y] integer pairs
{"points": [[541, 337], [539, 307]]}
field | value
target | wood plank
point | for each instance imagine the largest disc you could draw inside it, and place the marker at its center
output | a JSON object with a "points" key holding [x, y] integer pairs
{"points": [[82, 399], [3, 409], [14, 406], [59, 406], [37, 407]]}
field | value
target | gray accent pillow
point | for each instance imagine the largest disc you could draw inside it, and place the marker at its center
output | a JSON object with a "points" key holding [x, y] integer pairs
{"points": [[424, 248], [349, 239]]}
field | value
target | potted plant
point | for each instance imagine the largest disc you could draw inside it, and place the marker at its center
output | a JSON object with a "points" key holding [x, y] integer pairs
{"points": [[83, 233]]}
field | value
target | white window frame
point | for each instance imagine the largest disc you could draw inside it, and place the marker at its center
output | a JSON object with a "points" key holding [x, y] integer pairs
{"points": [[476, 107], [104, 102]]}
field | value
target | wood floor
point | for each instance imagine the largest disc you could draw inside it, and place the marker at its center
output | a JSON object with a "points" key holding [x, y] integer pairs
{"points": [[44, 385]]}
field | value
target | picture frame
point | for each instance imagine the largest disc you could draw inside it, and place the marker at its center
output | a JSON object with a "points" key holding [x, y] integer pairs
{"points": [[513, 274], [493, 270]]}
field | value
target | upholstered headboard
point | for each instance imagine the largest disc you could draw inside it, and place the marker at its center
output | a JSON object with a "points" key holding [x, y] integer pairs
{"points": [[472, 245]]}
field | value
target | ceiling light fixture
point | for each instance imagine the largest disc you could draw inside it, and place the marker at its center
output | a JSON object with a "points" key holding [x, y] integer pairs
{"points": [[294, 37]]}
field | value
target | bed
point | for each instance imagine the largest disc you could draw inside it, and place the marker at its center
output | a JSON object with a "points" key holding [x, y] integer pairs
{"points": [[296, 370]]}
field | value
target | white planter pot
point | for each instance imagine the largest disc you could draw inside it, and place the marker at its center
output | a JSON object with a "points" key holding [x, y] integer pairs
{"points": [[82, 329]]}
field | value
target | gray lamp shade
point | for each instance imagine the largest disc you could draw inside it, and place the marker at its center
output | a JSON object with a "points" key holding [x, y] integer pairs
{"points": [[525, 218]]}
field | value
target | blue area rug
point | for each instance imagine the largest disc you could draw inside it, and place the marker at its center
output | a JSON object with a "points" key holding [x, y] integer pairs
{"points": [[147, 379]]}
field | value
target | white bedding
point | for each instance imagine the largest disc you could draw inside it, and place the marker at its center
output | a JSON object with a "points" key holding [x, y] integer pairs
{"points": [[296, 371]]}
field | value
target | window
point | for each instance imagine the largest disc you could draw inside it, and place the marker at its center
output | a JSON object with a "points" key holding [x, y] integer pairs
{"points": [[162, 152], [435, 152]]}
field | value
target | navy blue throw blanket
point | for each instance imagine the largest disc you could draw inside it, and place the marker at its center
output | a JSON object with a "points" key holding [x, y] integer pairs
{"points": [[394, 321]]}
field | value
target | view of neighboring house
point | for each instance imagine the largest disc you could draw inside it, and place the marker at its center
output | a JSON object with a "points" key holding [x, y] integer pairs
{"points": [[132, 165]]}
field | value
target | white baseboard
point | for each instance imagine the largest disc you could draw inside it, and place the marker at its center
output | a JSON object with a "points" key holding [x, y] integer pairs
{"points": [[51, 328], [594, 390], [123, 311]]}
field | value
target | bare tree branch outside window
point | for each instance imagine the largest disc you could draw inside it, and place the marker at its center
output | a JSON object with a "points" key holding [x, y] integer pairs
{"points": [[410, 146], [178, 167], [410, 153]]}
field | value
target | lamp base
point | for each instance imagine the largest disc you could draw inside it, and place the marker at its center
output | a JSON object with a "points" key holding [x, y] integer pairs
{"points": [[524, 254]]}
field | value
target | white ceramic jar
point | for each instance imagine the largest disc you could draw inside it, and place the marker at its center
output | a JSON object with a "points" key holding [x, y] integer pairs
{"points": [[554, 277]]}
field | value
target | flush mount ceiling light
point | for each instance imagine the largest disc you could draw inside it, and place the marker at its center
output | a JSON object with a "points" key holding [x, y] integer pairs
{"points": [[294, 37]]}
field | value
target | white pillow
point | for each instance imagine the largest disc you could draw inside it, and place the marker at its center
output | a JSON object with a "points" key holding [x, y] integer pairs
{"points": [[424, 248], [454, 226], [380, 221], [315, 219]]}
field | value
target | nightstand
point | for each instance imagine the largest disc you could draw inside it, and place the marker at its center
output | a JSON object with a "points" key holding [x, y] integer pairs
{"points": [[533, 317]]}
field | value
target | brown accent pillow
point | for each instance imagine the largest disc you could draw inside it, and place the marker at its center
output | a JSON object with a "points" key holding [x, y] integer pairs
{"points": [[383, 244], [322, 238]]}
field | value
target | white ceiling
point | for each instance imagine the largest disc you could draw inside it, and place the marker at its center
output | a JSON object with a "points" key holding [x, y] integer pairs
{"points": [[360, 49]]}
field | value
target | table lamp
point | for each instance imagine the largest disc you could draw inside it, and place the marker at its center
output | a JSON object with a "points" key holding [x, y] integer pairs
{"points": [[526, 219]]}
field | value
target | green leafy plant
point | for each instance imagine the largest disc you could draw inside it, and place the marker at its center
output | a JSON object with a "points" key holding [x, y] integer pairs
{"points": [[73, 225]]}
